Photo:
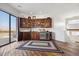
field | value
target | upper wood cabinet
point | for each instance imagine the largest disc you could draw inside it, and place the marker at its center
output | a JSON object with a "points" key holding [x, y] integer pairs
{"points": [[36, 23]]}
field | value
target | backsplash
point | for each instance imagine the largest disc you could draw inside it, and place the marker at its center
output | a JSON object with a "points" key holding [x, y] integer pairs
{"points": [[35, 29]]}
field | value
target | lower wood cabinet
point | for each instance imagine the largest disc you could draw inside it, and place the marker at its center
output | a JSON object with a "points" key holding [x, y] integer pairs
{"points": [[26, 36], [32, 36], [35, 35]]}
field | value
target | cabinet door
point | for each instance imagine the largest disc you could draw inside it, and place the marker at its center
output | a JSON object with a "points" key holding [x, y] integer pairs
{"points": [[35, 36], [26, 36]]}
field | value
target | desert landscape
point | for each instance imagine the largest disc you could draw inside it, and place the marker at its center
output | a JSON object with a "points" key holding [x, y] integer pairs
{"points": [[4, 33]]}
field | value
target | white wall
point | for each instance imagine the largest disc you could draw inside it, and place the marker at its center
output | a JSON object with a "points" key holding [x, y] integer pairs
{"points": [[59, 29]]}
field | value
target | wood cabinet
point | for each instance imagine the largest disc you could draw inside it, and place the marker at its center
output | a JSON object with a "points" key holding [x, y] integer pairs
{"points": [[26, 36], [25, 23], [35, 35], [35, 23]]}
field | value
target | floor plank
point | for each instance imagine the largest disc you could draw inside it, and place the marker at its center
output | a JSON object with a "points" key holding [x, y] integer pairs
{"points": [[10, 50]]}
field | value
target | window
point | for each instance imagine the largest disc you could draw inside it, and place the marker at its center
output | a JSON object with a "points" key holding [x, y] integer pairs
{"points": [[8, 30], [13, 28], [73, 24], [4, 28]]}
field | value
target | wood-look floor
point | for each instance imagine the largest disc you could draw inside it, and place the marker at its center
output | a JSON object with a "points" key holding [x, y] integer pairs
{"points": [[10, 50]]}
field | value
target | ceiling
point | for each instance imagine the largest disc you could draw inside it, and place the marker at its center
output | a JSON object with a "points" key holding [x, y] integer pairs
{"points": [[56, 10]]}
